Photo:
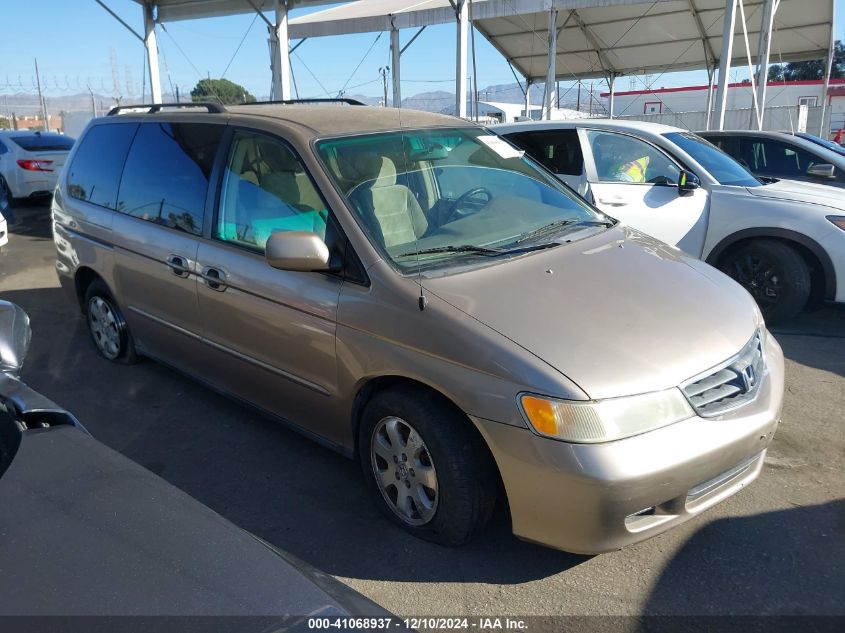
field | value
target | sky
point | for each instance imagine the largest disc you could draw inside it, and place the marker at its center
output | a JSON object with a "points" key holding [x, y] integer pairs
{"points": [[78, 44]]}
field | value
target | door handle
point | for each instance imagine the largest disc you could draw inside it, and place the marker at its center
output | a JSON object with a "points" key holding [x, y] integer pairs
{"points": [[214, 278], [179, 265], [614, 202]]}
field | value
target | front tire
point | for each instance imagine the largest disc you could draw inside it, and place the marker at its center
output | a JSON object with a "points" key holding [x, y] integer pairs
{"points": [[426, 467], [107, 326], [775, 274]]}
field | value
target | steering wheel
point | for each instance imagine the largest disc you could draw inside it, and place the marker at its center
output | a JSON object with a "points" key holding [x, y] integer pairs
{"points": [[455, 211]]}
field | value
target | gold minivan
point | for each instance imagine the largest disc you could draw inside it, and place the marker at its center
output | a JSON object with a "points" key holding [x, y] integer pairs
{"points": [[415, 292]]}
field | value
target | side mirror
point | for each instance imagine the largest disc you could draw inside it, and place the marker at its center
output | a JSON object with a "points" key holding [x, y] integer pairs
{"points": [[301, 251], [822, 170], [15, 335], [687, 181]]}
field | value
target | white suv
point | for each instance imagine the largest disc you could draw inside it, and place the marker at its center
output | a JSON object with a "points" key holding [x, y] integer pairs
{"points": [[783, 241]]}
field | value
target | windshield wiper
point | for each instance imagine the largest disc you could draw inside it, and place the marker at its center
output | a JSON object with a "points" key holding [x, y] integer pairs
{"points": [[482, 250], [558, 224], [454, 248]]}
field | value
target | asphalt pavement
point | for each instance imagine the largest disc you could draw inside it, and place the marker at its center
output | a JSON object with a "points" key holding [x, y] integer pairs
{"points": [[777, 547]]}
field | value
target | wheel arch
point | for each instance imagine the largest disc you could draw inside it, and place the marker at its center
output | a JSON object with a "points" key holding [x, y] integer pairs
{"points": [[82, 280], [822, 272], [370, 387]]}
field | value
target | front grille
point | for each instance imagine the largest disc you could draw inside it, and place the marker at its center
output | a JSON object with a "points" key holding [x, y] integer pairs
{"points": [[731, 385]]}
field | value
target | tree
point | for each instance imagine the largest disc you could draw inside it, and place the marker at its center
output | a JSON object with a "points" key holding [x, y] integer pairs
{"points": [[5, 123], [221, 91], [814, 69]]}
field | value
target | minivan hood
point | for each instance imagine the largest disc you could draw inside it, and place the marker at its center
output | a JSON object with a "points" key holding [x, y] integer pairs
{"points": [[618, 313], [801, 192]]}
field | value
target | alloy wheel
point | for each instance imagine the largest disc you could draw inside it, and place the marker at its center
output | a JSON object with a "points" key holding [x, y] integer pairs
{"points": [[760, 277], [404, 471]]}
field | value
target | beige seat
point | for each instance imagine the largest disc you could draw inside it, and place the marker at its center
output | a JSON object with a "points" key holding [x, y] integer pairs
{"points": [[395, 210]]}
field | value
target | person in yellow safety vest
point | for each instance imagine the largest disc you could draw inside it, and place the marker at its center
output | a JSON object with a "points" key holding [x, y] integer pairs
{"points": [[632, 171]]}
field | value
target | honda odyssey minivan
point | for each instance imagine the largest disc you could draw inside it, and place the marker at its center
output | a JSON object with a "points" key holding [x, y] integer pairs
{"points": [[416, 293]]}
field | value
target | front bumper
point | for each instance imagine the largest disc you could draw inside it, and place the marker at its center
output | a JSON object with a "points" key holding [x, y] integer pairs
{"points": [[592, 498]]}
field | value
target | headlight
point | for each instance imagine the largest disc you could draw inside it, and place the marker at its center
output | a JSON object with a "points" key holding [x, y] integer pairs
{"points": [[604, 420]]}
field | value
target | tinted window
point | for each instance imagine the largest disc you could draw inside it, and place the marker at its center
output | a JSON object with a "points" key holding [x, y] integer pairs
{"points": [[165, 179], [95, 172], [774, 158], [622, 158], [3, 149], [44, 142], [721, 166], [557, 150], [266, 189]]}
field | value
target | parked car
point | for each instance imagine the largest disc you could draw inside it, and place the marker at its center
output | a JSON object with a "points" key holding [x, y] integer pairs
{"points": [[30, 163], [412, 291], [784, 242], [86, 531], [780, 155]]}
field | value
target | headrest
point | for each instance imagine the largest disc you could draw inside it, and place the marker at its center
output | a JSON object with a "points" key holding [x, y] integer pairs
{"points": [[366, 167], [277, 157]]}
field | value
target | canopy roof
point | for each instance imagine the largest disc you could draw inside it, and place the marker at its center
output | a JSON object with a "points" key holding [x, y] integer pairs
{"points": [[173, 10], [596, 36]]}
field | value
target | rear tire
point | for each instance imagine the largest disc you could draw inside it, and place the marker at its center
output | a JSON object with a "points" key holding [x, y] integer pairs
{"points": [[775, 274], [106, 325], [444, 489], [7, 200]]}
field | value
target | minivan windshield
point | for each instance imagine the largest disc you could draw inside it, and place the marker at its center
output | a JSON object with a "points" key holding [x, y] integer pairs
{"points": [[721, 166], [437, 197]]}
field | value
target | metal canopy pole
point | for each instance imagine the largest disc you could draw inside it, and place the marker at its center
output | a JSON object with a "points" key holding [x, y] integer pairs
{"points": [[830, 53], [725, 62], [395, 54], [611, 84], [281, 52], [462, 13], [527, 98], [152, 53], [764, 47], [711, 77], [552, 70]]}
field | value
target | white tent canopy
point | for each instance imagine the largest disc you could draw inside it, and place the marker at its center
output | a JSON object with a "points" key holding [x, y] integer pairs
{"points": [[549, 39]]}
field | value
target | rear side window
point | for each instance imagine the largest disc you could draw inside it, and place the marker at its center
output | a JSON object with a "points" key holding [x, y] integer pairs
{"points": [[557, 150], [43, 142], [165, 179], [95, 171]]}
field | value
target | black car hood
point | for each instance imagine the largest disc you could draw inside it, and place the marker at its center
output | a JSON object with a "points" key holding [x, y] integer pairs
{"points": [[86, 531]]}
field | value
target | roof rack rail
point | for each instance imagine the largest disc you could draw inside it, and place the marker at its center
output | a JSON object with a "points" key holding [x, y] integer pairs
{"points": [[345, 100], [152, 108]]}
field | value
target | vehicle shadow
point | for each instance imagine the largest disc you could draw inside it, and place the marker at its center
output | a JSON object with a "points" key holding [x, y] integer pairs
{"points": [[299, 496], [32, 219], [811, 337], [719, 567]]}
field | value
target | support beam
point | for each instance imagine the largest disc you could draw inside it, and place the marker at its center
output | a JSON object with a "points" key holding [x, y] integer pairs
{"points": [[764, 47], [825, 133], [395, 71], [462, 14], [551, 72], [711, 86], [611, 84], [592, 41], [709, 54], [725, 62], [527, 98], [152, 53], [281, 52]]}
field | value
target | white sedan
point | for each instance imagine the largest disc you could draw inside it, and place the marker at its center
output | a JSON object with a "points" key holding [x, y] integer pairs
{"points": [[784, 241], [30, 163]]}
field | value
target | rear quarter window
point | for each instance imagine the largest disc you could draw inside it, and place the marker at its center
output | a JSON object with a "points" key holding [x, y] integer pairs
{"points": [[557, 150], [43, 142], [94, 174]]}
